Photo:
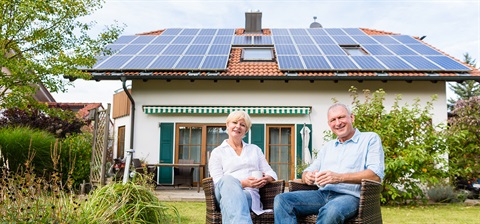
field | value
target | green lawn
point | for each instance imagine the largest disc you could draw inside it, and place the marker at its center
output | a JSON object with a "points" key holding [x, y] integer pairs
{"points": [[194, 212]]}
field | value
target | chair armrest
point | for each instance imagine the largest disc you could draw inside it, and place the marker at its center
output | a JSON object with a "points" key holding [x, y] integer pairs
{"points": [[208, 189], [269, 191], [298, 185], [369, 206]]}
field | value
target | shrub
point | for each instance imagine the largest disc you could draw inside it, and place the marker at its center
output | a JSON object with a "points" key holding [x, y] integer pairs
{"points": [[76, 156], [442, 193], [126, 203]]}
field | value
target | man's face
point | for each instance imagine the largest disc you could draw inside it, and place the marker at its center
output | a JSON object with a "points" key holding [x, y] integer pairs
{"points": [[341, 123]]}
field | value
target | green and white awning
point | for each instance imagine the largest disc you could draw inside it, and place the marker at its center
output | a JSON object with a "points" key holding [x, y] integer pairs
{"points": [[226, 109]]}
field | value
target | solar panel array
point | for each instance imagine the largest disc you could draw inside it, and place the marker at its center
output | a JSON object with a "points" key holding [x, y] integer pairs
{"points": [[296, 49], [328, 49], [177, 49]]}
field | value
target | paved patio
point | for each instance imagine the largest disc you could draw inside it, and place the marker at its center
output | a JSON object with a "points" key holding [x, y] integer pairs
{"points": [[180, 194]]}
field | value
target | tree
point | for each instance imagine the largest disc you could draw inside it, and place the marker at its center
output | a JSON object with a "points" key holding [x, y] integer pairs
{"points": [[466, 89], [43, 42]]}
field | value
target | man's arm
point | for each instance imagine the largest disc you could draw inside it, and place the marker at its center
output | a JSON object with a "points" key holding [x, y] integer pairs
{"points": [[329, 177]]}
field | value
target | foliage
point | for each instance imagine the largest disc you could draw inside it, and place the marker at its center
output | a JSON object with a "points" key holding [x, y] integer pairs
{"points": [[21, 143], [43, 41], [125, 203], [58, 122], [76, 155], [467, 89], [442, 193], [413, 148], [464, 139]]}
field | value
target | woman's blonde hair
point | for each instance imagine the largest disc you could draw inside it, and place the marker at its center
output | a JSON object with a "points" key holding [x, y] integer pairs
{"points": [[240, 114]]}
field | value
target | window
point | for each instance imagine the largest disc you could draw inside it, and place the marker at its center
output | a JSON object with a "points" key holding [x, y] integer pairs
{"points": [[354, 50], [257, 54], [280, 150]]}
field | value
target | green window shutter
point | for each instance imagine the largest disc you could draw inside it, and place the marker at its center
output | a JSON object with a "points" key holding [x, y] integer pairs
{"points": [[166, 152], [299, 144], [257, 133]]}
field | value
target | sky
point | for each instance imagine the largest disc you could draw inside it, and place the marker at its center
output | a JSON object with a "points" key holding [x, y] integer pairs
{"points": [[452, 26]]}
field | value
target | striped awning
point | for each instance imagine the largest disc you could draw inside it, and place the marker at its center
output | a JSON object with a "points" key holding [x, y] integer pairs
{"points": [[226, 109]]}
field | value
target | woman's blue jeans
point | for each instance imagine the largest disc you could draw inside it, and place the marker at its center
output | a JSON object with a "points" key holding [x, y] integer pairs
{"points": [[235, 203], [330, 206]]}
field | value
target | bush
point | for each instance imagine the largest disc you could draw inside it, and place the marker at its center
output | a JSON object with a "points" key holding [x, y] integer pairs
{"points": [[126, 203], [76, 156], [19, 144], [442, 193]]}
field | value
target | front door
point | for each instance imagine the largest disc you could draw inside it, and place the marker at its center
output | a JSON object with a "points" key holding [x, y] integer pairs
{"points": [[280, 150]]}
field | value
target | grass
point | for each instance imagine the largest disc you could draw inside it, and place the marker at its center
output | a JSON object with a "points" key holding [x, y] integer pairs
{"points": [[194, 212]]}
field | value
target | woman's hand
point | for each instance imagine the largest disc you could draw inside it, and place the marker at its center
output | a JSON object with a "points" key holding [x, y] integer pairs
{"points": [[255, 183]]}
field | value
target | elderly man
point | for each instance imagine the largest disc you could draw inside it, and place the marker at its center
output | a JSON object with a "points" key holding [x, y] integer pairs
{"points": [[340, 166]]}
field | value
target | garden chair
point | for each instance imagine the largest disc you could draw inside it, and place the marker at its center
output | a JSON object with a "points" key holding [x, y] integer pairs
{"points": [[183, 175], [368, 208], [267, 194]]}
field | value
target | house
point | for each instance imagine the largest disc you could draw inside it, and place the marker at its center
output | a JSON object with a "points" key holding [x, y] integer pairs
{"points": [[184, 82]]}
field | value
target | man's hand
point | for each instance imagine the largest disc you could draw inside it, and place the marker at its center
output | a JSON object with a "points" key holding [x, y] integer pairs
{"points": [[309, 177], [328, 177]]}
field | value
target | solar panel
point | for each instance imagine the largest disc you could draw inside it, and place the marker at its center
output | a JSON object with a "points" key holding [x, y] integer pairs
{"points": [[298, 32], [285, 49], [174, 31], [280, 32], [176, 49], [143, 39], [223, 40], [335, 31], [197, 50], [364, 40], [354, 31], [448, 63], [332, 50], [139, 62], [341, 62], [282, 40], [406, 39], [203, 40], [317, 32], [394, 62], [242, 40], [183, 40], [323, 40], [309, 50], [114, 62], [131, 49], [290, 63], [421, 63], [344, 40], [189, 32], [400, 49], [207, 32], [152, 49], [262, 40], [113, 48], [189, 62], [303, 40], [219, 50], [228, 32], [315, 62], [215, 62], [124, 39], [164, 62], [368, 62], [163, 39], [377, 49], [423, 49], [384, 39]]}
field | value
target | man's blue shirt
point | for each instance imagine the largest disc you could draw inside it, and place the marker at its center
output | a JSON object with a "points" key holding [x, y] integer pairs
{"points": [[363, 151]]}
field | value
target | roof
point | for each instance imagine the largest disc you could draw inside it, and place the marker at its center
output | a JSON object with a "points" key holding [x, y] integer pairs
{"points": [[82, 109], [264, 70]]}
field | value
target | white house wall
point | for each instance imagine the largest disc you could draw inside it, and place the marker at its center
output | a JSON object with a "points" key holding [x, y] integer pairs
{"points": [[318, 95]]}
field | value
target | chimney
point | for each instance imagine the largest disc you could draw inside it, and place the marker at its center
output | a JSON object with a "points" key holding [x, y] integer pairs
{"points": [[253, 22]]}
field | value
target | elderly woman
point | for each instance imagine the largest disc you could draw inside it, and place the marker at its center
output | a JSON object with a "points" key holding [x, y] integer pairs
{"points": [[231, 165]]}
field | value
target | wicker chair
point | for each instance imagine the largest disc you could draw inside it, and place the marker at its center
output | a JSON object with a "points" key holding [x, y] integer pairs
{"points": [[368, 208], [267, 194]]}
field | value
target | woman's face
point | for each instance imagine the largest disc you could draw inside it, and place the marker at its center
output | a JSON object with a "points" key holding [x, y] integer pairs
{"points": [[237, 129]]}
